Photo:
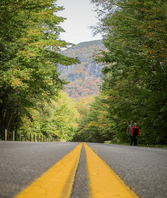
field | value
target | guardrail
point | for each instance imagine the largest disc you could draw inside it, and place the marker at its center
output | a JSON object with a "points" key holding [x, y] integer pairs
{"points": [[30, 137]]}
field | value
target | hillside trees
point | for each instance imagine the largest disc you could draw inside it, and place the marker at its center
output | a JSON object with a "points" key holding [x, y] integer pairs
{"points": [[98, 125], [82, 107], [84, 78], [29, 54], [80, 89], [57, 118], [136, 86], [66, 117]]}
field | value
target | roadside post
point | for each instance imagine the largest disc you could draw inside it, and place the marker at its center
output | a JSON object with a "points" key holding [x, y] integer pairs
{"points": [[6, 135], [13, 135], [19, 136]]}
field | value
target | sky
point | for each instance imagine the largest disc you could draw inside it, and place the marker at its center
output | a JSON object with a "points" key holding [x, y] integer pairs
{"points": [[80, 16]]}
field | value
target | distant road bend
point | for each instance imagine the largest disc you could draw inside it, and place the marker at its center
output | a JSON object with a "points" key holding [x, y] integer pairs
{"points": [[81, 170]]}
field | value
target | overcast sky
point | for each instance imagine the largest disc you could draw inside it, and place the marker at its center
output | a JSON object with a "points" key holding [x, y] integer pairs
{"points": [[80, 16]]}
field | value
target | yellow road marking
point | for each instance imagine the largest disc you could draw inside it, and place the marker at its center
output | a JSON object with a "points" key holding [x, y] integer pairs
{"points": [[57, 181], [103, 181]]}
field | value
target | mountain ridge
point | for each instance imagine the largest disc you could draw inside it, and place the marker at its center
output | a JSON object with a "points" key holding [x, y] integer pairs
{"points": [[84, 78]]}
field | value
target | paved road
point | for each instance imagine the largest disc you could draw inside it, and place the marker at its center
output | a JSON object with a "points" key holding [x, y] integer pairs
{"points": [[143, 169], [23, 162]]}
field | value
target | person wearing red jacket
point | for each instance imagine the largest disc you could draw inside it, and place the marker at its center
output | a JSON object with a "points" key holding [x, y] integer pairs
{"points": [[134, 133]]}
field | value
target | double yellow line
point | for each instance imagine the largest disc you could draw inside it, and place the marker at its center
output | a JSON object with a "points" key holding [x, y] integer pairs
{"points": [[58, 181]]}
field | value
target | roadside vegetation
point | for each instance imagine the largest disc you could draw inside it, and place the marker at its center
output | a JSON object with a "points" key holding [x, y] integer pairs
{"points": [[134, 82], [30, 50]]}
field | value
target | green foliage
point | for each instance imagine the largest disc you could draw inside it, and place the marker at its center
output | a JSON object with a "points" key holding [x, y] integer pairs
{"points": [[134, 80], [66, 117], [82, 107], [93, 122], [57, 118], [29, 54]]}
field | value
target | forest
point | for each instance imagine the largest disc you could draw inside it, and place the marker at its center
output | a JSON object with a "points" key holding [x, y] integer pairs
{"points": [[30, 87], [133, 85]]}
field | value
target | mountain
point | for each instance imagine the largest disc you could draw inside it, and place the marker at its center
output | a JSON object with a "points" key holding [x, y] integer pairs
{"points": [[84, 78]]}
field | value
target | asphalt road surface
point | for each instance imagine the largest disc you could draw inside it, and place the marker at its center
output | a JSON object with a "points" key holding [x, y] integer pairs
{"points": [[143, 169]]}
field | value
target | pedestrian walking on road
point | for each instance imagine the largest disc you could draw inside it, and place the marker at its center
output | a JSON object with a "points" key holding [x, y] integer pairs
{"points": [[128, 132], [135, 133]]}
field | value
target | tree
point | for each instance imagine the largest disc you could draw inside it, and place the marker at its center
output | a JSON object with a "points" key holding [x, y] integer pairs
{"points": [[57, 118], [29, 53], [135, 36]]}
